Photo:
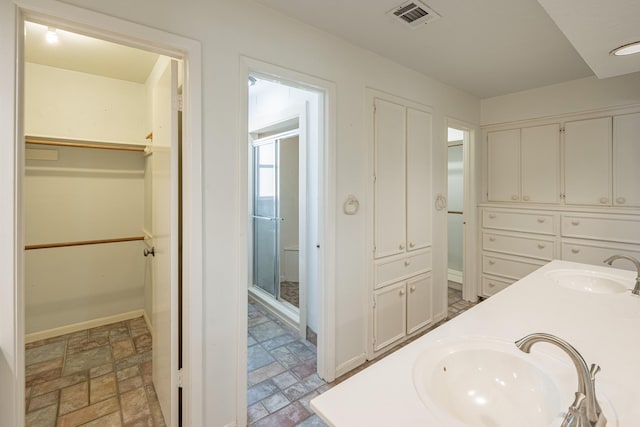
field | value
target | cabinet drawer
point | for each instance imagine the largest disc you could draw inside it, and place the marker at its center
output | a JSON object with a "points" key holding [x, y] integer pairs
{"points": [[511, 267], [596, 252], [491, 286], [616, 229], [540, 223], [388, 271], [518, 245]]}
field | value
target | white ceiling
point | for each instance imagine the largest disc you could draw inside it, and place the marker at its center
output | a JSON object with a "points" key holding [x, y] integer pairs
{"points": [[487, 48], [595, 28], [88, 55]]}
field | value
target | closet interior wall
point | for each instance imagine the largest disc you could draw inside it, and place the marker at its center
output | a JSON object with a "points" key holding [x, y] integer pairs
{"points": [[78, 194]]}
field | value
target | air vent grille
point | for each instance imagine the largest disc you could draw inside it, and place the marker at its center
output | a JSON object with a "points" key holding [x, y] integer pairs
{"points": [[414, 13]]}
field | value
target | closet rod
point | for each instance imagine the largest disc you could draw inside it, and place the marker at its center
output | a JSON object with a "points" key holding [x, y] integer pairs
{"points": [[66, 143], [82, 243]]}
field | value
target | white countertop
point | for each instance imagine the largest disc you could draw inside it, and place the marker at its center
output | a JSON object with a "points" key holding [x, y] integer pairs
{"points": [[604, 328]]}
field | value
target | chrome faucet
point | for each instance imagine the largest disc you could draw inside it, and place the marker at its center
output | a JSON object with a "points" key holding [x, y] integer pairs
{"points": [[636, 289], [585, 410]]}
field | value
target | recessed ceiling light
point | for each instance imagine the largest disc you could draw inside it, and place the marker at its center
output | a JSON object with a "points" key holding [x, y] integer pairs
{"points": [[52, 35], [627, 49]]}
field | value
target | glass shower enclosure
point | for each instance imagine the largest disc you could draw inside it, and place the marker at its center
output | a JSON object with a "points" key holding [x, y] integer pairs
{"points": [[266, 217]]}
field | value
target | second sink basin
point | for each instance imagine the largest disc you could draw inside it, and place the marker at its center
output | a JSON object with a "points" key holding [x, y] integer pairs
{"points": [[588, 281], [488, 382]]}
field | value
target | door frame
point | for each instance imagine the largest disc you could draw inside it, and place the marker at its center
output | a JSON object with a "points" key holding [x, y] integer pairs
{"points": [[470, 284], [326, 235], [113, 29]]}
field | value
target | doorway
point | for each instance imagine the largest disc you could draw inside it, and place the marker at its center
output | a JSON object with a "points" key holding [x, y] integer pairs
{"points": [[90, 220]]}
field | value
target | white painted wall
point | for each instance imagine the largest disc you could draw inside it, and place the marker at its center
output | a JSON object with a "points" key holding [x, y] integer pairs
{"points": [[575, 96], [228, 29], [69, 104], [86, 194]]}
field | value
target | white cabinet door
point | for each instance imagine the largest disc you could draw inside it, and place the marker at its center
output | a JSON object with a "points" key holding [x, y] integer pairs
{"points": [[540, 164], [418, 179], [389, 315], [587, 162], [389, 187], [626, 160], [503, 164], [419, 312]]}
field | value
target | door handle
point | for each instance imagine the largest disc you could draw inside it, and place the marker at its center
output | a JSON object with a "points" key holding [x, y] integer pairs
{"points": [[151, 251]]}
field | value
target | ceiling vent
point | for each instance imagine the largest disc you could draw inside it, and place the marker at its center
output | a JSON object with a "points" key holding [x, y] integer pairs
{"points": [[414, 13]]}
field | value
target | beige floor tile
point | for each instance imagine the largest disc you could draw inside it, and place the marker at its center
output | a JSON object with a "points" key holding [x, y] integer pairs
{"points": [[102, 388], [111, 420], [74, 397], [122, 348], [130, 384], [44, 400], [90, 413], [58, 384], [134, 405]]}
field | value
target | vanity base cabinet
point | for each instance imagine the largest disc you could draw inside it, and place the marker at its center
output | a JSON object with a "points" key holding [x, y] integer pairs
{"points": [[419, 297]]}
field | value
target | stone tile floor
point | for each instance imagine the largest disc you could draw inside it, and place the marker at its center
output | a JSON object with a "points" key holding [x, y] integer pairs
{"points": [[282, 376], [289, 292], [98, 377]]}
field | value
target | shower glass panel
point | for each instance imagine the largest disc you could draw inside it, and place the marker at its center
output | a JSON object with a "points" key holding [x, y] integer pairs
{"points": [[266, 220], [455, 204]]}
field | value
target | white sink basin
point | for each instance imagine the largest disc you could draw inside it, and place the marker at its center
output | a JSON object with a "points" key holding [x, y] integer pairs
{"points": [[588, 281], [490, 383]]}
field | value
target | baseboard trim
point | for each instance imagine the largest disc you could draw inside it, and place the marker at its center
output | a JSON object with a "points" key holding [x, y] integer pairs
{"points": [[350, 364], [455, 276], [148, 322], [68, 329]]}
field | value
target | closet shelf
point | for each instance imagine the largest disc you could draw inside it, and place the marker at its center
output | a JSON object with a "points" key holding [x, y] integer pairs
{"points": [[83, 243], [61, 142]]}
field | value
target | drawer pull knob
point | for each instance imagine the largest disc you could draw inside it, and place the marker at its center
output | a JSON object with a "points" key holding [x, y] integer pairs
{"points": [[401, 291], [575, 222], [491, 285], [401, 246], [541, 246], [603, 200], [525, 198], [407, 263], [621, 200], [492, 216], [514, 197], [541, 220], [412, 288], [491, 262], [575, 250], [492, 239], [411, 244]]}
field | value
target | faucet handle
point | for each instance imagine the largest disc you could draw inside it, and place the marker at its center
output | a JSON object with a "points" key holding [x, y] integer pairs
{"points": [[594, 370]]}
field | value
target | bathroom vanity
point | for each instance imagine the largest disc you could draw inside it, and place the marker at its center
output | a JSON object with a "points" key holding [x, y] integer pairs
{"points": [[469, 372]]}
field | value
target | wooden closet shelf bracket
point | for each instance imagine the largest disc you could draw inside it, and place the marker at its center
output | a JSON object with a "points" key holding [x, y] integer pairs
{"points": [[82, 243]]}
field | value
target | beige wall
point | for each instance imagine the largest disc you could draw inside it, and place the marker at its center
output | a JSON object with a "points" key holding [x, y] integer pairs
{"points": [[575, 96], [87, 194], [228, 29], [69, 104]]}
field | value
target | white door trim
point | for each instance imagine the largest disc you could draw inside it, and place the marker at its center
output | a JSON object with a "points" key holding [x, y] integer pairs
{"points": [[327, 183], [469, 240], [136, 35]]}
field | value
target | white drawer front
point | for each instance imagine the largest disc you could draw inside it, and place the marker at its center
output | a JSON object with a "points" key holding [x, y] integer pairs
{"points": [[596, 252], [616, 229], [391, 271], [540, 223], [491, 286], [509, 267], [517, 245]]}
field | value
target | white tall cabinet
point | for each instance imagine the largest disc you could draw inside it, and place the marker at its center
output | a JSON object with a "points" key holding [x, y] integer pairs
{"points": [[563, 187], [402, 282]]}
